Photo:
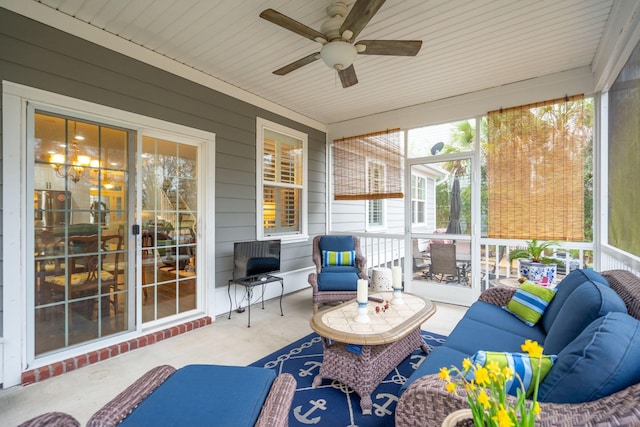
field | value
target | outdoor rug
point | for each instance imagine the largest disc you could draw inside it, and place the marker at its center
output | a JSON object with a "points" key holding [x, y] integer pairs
{"points": [[333, 404]]}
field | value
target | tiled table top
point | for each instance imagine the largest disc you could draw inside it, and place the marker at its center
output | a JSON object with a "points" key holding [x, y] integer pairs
{"points": [[385, 327]]}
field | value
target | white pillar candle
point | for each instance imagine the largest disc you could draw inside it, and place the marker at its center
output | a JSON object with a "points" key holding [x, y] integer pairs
{"points": [[362, 290], [396, 275]]}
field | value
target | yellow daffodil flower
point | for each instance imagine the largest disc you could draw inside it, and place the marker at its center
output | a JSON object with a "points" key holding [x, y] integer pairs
{"points": [[482, 376], [487, 390], [532, 348], [451, 388], [493, 367], [536, 408], [503, 418], [444, 374], [483, 398], [507, 373]]}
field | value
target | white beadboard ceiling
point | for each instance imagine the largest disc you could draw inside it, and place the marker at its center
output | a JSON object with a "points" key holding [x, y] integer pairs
{"points": [[468, 45]]}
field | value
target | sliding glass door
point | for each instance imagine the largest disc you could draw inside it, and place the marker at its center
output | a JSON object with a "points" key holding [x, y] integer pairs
{"points": [[80, 221], [84, 251], [169, 192]]}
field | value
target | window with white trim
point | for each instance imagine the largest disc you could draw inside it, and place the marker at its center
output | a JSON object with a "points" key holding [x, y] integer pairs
{"points": [[375, 183], [282, 182], [418, 200]]}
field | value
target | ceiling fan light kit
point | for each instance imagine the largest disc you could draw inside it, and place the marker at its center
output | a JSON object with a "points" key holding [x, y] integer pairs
{"points": [[337, 36], [338, 54]]}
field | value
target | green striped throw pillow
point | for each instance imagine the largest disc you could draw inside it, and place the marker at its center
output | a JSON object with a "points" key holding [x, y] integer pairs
{"points": [[524, 366], [331, 258], [529, 302]]}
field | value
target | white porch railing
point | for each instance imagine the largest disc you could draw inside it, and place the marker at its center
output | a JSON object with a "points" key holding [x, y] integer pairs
{"points": [[387, 250], [382, 250]]}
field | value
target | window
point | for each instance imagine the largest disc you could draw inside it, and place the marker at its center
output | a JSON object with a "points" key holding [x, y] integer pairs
{"points": [[281, 189], [418, 200], [375, 184]]}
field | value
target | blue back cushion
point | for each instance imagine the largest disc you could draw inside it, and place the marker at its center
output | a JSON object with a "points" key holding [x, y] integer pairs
{"points": [[199, 395], [564, 289], [336, 243], [602, 360], [585, 304]]}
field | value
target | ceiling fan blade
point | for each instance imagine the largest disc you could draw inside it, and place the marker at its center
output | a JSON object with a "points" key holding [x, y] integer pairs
{"points": [[359, 16], [291, 24], [390, 47], [297, 64], [348, 76]]}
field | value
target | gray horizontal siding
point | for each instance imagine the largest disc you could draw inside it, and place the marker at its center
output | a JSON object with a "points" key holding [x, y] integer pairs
{"points": [[39, 56], [1, 230]]}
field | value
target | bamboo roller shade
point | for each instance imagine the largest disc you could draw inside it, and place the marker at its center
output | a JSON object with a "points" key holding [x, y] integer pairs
{"points": [[535, 170], [351, 156]]}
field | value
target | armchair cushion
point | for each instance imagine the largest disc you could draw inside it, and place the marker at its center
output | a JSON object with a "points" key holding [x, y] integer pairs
{"points": [[340, 269], [602, 360], [336, 243], [347, 281], [343, 258]]}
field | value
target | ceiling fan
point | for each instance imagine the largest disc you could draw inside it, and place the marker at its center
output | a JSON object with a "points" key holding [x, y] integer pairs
{"points": [[337, 35]]}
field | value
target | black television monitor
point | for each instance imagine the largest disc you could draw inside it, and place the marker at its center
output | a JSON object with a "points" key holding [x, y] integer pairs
{"points": [[254, 259]]}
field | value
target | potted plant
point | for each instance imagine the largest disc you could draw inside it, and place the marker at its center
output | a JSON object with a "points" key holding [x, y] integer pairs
{"points": [[486, 388], [533, 264]]}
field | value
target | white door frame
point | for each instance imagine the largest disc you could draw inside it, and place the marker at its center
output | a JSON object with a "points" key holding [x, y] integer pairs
{"points": [[438, 292], [14, 354]]}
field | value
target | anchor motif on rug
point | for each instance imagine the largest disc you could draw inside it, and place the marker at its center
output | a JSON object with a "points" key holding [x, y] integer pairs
{"points": [[312, 367], [315, 405], [382, 410], [415, 364]]}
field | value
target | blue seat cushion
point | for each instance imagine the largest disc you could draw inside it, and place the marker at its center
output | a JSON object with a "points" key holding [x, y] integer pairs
{"points": [[336, 243], [204, 395], [566, 286], [338, 281], [341, 269], [470, 336], [493, 315], [586, 303], [439, 357], [602, 360]]}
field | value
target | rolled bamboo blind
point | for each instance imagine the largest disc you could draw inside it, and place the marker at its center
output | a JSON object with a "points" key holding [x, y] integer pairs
{"points": [[350, 158], [535, 170]]}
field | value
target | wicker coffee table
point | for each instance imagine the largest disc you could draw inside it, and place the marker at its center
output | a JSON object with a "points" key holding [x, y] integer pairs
{"points": [[385, 342]]}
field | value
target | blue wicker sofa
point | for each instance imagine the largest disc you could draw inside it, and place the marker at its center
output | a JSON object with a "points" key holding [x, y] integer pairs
{"points": [[592, 325]]}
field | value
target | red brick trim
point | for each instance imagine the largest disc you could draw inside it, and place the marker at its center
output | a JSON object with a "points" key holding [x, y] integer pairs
{"points": [[71, 364]]}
